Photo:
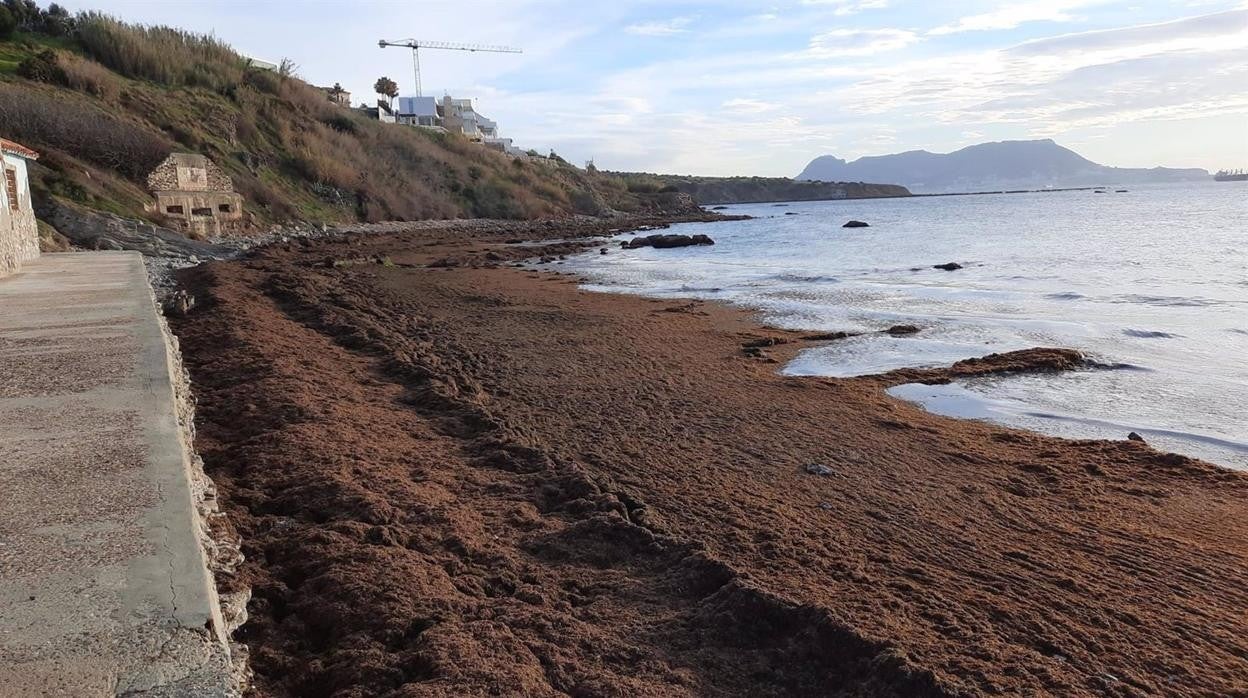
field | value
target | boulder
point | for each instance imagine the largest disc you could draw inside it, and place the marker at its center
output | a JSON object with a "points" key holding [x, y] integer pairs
{"points": [[948, 266], [901, 330], [666, 241], [856, 224]]}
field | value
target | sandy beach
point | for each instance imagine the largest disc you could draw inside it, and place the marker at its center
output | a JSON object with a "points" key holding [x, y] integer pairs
{"points": [[453, 476]]}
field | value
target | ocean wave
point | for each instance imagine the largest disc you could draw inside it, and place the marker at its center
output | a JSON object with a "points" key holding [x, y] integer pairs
{"points": [[805, 279], [1150, 334], [1065, 296], [1178, 301]]}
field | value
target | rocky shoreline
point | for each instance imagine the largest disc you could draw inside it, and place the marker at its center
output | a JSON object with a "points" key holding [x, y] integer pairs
{"points": [[453, 476]]}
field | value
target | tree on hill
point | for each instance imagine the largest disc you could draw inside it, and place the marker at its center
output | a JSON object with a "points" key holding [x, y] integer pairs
{"points": [[25, 12], [8, 23], [387, 88], [56, 21], [26, 15]]}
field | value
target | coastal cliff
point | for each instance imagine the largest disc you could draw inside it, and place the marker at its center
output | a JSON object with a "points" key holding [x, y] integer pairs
{"points": [[710, 191], [106, 102]]}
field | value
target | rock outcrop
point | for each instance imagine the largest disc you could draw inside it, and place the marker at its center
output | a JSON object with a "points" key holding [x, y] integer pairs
{"points": [[94, 230], [666, 241]]}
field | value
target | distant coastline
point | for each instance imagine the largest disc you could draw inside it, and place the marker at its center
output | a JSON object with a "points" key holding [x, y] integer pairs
{"points": [[1008, 165]]}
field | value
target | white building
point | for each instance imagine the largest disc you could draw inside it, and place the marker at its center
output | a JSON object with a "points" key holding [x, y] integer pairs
{"points": [[448, 115], [419, 111], [458, 116], [382, 112], [19, 233]]}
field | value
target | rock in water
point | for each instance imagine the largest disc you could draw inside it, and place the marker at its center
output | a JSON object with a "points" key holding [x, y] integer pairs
{"points": [[666, 241], [947, 266], [1135, 437], [899, 330], [855, 224]]}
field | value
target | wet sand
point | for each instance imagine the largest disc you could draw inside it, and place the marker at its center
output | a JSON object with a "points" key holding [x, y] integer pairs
{"points": [[473, 479]]}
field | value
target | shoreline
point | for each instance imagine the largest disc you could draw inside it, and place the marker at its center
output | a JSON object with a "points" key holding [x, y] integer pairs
{"points": [[586, 429]]}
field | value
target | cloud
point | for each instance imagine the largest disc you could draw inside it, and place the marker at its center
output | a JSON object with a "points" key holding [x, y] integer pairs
{"points": [[1185, 68], [1013, 15], [849, 7], [852, 92], [749, 106], [1213, 27], [860, 42], [667, 27]]}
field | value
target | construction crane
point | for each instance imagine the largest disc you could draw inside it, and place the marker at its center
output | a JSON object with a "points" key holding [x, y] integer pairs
{"points": [[416, 45]]}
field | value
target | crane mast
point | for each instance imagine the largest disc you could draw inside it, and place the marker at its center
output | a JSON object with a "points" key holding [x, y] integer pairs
{"points": [[417, 44]]}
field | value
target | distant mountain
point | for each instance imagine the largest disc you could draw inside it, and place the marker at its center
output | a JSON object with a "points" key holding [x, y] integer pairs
{"points": [[989, 166]]}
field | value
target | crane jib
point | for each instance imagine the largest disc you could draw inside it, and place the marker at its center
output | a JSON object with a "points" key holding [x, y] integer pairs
{"points": [[415, 45]]}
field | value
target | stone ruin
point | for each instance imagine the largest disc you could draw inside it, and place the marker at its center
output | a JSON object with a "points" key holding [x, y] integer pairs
{"points": [[195, 195]]}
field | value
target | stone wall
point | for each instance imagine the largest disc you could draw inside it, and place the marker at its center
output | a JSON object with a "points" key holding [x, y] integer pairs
{"points": [[19, 233], [195, 195], [188, 172]]}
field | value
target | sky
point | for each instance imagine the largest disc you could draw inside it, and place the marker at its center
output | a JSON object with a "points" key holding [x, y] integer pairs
{"points": [[738, 87]]}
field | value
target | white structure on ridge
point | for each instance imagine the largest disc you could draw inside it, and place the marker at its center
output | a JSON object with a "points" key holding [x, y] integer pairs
{"points": [[448, 115]]}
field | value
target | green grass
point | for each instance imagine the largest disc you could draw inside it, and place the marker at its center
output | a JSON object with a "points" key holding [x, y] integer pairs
{"points": [[22, 45]]}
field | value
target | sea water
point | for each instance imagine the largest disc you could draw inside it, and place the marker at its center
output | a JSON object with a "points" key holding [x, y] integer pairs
{"points": [[1154, 279]]}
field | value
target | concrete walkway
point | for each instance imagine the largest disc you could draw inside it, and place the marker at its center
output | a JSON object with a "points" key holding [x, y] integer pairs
{"points": [[103, 585]]}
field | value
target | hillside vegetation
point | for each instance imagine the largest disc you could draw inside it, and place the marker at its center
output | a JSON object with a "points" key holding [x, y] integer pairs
{"points": [[746, 190], [105, 101]]}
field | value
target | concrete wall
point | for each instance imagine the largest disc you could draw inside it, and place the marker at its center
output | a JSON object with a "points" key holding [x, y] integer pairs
{"points": [[201, 213], [19, 233]]}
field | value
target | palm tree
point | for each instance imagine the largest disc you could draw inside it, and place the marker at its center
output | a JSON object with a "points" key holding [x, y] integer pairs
{"points": [[387, 88]]}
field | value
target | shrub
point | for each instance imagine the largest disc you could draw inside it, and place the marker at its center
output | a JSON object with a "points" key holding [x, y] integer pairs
{"points": [[44, 119], [265, 81], [340, 123], [42, 67], [637, 186], [162, 54], [86, 75]]}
